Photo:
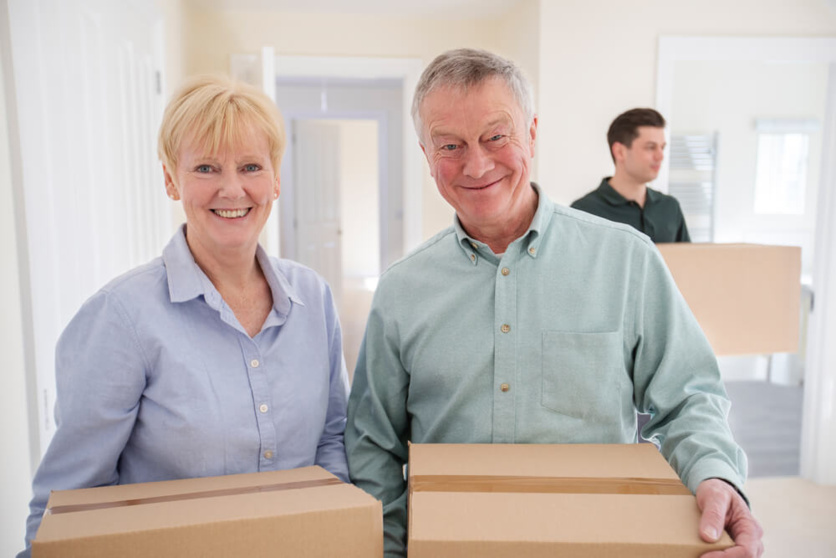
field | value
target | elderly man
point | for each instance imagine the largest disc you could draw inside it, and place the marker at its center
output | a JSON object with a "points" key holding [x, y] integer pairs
{"points": [[526, 322]]}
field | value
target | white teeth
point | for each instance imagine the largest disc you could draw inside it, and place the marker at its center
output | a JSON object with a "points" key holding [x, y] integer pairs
{"points": [[231, 213]]}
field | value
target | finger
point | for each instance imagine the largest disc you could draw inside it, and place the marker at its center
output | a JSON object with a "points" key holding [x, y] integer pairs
{"points": [[714, 511]]}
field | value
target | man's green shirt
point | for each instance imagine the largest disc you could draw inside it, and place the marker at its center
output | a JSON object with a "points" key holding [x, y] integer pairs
{"points": [[558, 340], [661, 217]]}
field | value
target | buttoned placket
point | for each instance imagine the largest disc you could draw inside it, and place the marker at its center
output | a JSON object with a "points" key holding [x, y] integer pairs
{"points": [[505, 346], [258, 373]]}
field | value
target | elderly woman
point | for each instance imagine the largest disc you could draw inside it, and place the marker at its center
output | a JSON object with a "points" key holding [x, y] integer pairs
{"points": [[215, 358]]}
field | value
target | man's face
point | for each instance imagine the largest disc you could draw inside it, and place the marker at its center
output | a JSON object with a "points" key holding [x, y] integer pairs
{"points": [[642, 160], [479, 149]]}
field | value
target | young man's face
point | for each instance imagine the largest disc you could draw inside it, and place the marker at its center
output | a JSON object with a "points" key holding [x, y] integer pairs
{"points": [[643, 159]]}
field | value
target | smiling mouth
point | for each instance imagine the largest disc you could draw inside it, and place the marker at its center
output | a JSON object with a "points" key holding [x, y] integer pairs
{"points": [[231, 213], [485, 187]]}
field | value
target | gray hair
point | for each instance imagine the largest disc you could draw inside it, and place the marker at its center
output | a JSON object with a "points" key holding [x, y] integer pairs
{"points": [[467, 67]]}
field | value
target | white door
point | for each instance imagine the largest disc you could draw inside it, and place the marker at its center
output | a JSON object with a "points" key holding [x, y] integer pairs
{"points": [[89, 92], [316, 198]]}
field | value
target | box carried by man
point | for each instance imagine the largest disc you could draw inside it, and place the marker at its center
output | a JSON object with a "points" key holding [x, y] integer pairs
{"points": [[571, 500]]}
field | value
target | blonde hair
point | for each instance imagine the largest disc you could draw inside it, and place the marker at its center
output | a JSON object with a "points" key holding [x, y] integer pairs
{"points": [[215, 111]]}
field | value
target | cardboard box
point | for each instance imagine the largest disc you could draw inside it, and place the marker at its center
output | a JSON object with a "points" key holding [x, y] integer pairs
{"points": [[746, 297], [572, 501], [301, 512]]}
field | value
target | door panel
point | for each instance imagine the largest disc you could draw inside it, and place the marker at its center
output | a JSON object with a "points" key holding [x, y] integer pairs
{"points": [[317, 199], [87, 77]]}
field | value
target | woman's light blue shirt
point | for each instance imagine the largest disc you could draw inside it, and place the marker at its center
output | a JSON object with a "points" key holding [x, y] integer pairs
{"points": [[157, 380]]}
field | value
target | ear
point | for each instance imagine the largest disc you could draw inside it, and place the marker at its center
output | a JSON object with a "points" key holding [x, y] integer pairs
{"points": [[618, 150], [278, 189], [532, 135], [170, 185]]}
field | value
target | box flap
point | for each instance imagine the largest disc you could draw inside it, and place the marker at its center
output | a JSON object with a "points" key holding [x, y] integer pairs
{"points": [[600, 461]]}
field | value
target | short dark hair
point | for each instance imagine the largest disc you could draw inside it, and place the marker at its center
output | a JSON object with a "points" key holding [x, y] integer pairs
{"points": [[625, 128]]}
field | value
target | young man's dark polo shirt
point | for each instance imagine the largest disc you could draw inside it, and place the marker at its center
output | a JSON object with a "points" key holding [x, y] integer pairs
{"points": [[661, 218]]}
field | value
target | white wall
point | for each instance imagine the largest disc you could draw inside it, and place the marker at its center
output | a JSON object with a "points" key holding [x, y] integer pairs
{"points": [[728, 97], [598, 58], [16, 463]]}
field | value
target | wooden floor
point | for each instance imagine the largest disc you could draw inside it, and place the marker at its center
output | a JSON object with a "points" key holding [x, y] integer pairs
{"points": [[765, 419]]}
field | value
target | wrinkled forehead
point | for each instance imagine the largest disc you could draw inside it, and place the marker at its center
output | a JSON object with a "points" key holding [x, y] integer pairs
{"points": [[483, 104]]}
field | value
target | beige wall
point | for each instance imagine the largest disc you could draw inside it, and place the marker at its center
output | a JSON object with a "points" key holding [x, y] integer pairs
{"points": [[172, 14], [598, 58], [359, 199]]}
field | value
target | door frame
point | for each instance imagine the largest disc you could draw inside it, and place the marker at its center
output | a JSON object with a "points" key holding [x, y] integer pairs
{"points": [[818, 433], [288, 201], [408, 70]]}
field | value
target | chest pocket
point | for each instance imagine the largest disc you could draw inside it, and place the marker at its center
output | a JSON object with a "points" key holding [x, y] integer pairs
{"points": [[583, 375]]}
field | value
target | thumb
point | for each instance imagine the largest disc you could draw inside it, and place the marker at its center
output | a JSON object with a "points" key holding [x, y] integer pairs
{"points": [[714, 505]]}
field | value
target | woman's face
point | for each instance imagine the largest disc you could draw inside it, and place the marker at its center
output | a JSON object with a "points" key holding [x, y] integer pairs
{"points": [[227, 196]]}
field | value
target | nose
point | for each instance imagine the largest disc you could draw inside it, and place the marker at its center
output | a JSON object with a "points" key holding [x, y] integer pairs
{"points": [[231, 186], [660, 153], [477, 162]]}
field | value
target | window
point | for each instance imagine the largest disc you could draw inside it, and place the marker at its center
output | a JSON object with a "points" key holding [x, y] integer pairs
{"points": [[781, 176]]}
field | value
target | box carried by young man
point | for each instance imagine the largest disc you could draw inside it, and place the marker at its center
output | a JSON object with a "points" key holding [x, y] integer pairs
{"points": [[584, 501], [299, 512]]}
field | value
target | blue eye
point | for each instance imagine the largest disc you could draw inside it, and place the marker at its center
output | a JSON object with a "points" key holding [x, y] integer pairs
{"points": [[449, 147], [203, 168], [497, 137], [252, 168]]}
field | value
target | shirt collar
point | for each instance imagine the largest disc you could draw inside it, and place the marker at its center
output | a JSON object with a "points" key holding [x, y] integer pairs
{"points": [[528, 242], [611, 196], [187, 281]]}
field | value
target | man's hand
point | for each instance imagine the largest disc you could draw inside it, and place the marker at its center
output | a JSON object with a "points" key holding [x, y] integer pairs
{"points": [[721, 507]]}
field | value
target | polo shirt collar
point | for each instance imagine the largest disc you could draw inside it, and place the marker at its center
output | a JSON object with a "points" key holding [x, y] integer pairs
{"points": [[611, 196]]}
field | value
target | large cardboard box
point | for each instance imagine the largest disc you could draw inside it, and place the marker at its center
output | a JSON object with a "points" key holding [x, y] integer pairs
{"points": [[572, 501], [301, 512], [745, 297]]}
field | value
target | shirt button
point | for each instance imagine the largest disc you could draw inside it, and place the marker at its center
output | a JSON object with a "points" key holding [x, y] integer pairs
{"points": [[263, 407], [532, 250], [505, 328], [254, 363], [505, 271], [473, 244], [504, 387], [268, 454], [473, 257]]}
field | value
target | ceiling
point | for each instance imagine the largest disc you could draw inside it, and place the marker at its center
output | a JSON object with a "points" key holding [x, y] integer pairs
{"points": [[453, 9]]}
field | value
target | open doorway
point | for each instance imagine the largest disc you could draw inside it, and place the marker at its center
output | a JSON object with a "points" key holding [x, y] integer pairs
{"points": [[342, 201], [334, 171]]}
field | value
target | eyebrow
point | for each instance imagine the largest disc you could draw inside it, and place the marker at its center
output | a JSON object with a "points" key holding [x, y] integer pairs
{"points": [[501, 119]]}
